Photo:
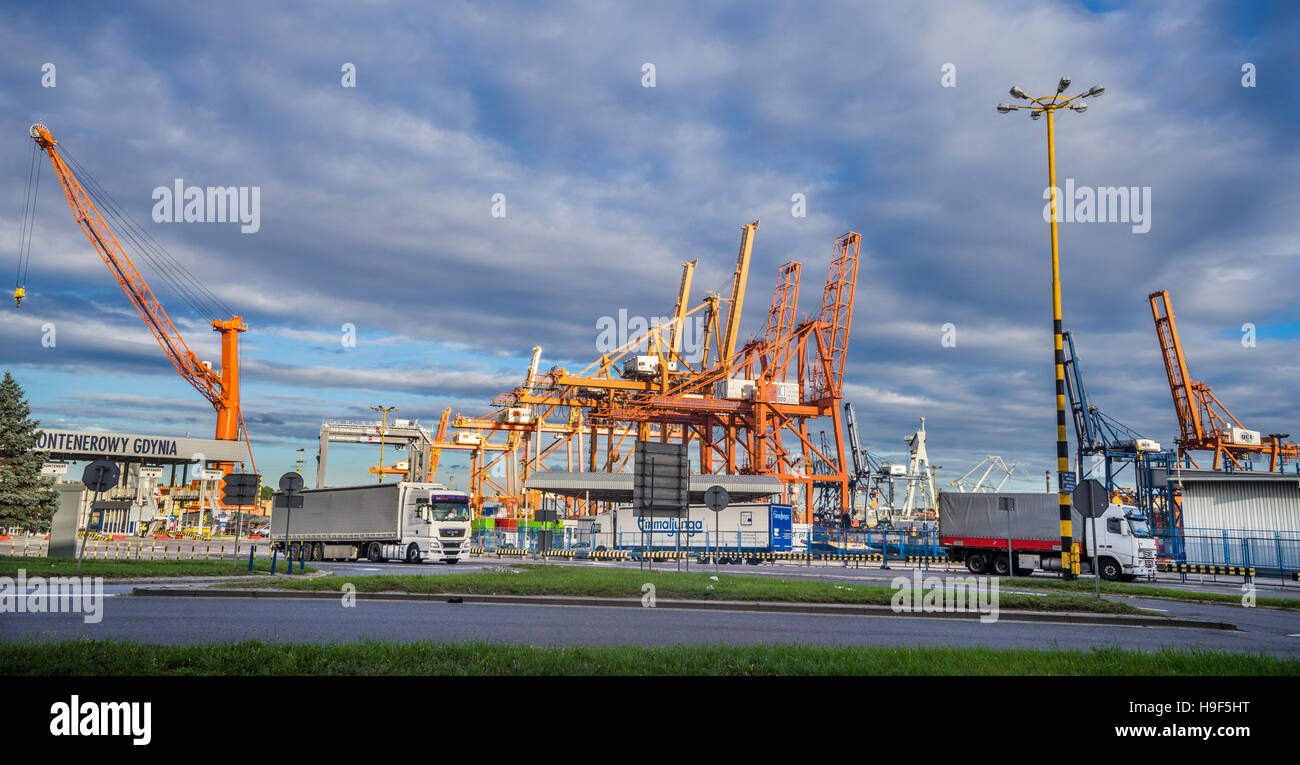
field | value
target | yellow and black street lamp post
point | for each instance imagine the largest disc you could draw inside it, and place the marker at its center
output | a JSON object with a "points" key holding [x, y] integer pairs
{"points": [[1037, 108]]}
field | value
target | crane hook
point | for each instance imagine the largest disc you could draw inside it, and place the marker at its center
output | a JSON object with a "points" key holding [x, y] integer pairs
{"points": [[19, 294]]}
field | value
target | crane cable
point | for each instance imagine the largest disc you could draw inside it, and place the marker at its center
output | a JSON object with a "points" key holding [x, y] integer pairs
{"points": [[181, 280], [30, 193]]}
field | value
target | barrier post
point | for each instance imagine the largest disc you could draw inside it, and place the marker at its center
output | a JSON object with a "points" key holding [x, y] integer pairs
{"points": [[251, 550]]}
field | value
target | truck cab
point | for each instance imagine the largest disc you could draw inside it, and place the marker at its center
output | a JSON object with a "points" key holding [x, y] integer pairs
{"points": [[440, 525], [1124, 546]]}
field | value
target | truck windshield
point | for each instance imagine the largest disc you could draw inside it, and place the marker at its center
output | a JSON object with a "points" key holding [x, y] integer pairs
{"points": [[1137, 524], [448, 511]]}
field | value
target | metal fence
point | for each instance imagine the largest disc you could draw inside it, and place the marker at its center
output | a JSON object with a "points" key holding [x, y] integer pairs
{"points": [[1269, 552], [896, 544]]}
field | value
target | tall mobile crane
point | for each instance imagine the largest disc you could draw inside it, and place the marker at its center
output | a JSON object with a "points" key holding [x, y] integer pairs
{"points": [[1206, 424], [221, 388]]}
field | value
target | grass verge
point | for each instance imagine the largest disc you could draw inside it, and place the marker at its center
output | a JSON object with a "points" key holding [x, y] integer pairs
{"points": [[527, 579], [1143, 590], [378, 658], [123, 568]]}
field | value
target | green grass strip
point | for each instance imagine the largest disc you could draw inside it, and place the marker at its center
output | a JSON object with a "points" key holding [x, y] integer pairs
{"points": [[579, 581], [377, 658], [122, 567]]}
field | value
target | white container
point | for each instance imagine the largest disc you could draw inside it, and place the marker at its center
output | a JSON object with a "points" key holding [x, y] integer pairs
{"points": [[1240, 436], [894, 469], [641, 366], [473, 439], [734, 389], [518, 415], [787, 393]]}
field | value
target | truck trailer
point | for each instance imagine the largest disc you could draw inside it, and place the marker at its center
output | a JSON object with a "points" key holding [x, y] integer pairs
{"points": [[736, 534], [974, 529], [411, 522]]}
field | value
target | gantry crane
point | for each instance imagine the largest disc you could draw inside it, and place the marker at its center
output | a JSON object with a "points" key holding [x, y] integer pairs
{"points": [[1205, 423], [756, 423], [221, 388]]}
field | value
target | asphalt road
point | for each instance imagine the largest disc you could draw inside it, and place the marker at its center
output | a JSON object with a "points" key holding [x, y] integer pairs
{"points": [[866, 572], [196, 620], [188, 548]]}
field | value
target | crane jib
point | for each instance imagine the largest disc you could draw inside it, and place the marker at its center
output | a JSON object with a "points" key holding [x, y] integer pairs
{"points": [[133, 283]]}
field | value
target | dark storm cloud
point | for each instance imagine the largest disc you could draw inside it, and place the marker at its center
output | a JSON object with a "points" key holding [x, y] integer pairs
{"points": [[376, 200]]}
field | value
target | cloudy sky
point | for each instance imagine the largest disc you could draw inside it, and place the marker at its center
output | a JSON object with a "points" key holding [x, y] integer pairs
{"points": [[376, 201]]}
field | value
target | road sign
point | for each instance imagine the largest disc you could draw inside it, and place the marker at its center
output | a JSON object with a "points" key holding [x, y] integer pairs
{"points": [[291, 482], [240, 489], [1007, 503], [716, 499], [101, 475], [1090, 499], [1067, 481], [661, 480], [288, 500]]}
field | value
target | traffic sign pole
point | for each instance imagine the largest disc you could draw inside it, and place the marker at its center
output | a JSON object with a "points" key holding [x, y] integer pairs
{"points": [[99, 476], [1091, 499], [716, 499]]}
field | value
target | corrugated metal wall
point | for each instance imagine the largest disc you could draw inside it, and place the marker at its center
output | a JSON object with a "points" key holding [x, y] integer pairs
{"points": [[1258, 505]]}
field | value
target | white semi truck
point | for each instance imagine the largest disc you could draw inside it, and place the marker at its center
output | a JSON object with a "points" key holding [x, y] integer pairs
{"points": [[411, 522], [974, 528]]}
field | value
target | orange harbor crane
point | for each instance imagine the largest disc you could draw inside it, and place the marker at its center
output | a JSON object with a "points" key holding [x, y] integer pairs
{"points": [[1205, 423], [796, 369], [221, 388]]}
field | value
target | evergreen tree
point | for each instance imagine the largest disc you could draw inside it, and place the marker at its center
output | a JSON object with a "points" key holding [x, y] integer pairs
{"points": [[27, 498]]}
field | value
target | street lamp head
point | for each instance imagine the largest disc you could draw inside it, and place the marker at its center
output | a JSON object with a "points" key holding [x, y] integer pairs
{"points": [[1095, 90], [1017, 92], [1035, 115], [1080, 107], [1005, 108], [1062, 85]]}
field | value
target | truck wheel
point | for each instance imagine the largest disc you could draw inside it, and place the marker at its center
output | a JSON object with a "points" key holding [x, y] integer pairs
{"points": [[1111, 571], [1001, 566], [293, 550], [977, 562], [376, 553], [413, 553], [318, 551]]}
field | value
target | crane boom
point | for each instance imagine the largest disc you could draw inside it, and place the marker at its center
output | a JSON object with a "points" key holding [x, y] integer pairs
{"points": [[1205, 423], [221, 390]]}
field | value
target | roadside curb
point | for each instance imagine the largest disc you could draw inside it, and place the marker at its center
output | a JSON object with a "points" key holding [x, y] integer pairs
{"points": [[835, 609], [234, 579]]}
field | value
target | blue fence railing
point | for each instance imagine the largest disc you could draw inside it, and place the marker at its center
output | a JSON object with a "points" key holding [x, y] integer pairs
{"points": [[1269, 552], [1266, 551]]}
